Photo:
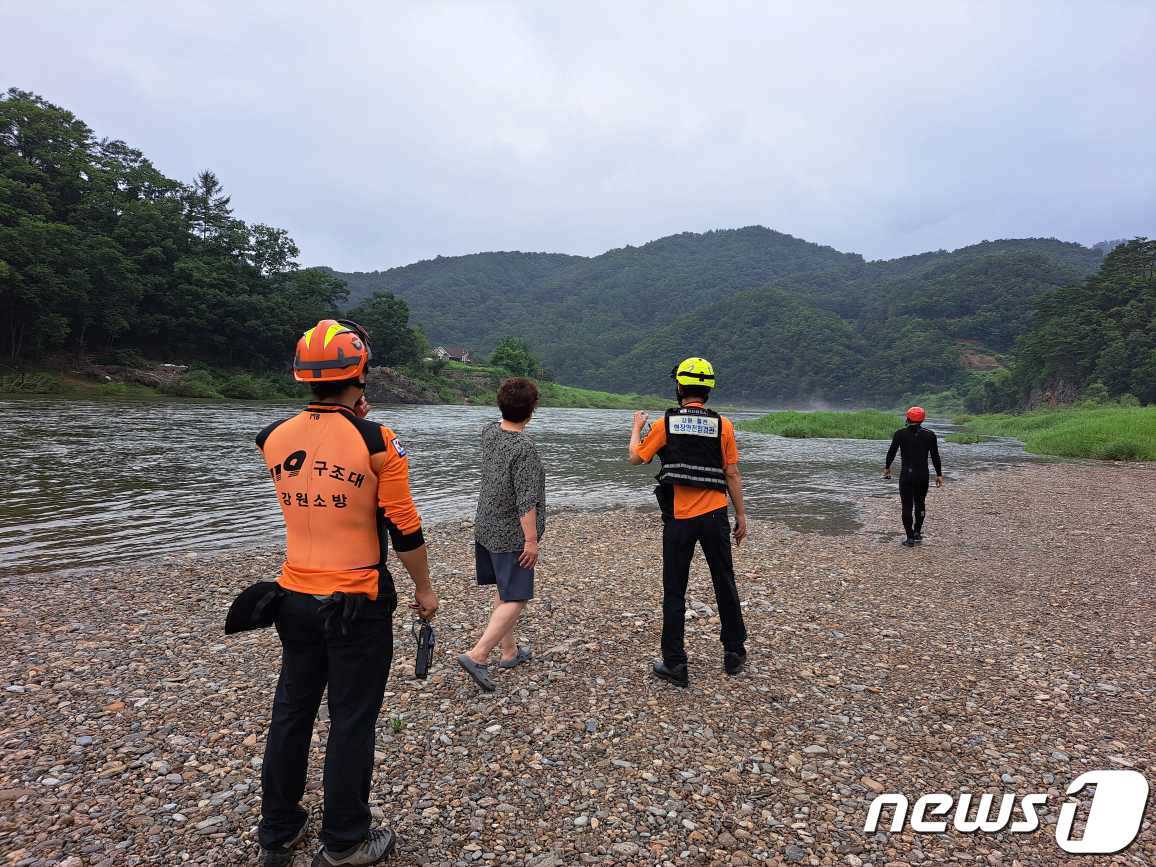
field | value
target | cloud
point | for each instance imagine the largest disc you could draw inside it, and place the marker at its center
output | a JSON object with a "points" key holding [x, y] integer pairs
{"points": [[381, 133]]}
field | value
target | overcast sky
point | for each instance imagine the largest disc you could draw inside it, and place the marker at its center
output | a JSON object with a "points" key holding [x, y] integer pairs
{"points": [[380, 133]]}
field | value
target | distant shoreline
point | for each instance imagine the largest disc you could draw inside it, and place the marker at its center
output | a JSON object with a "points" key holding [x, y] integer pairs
{"points": [[460, 386], [1106, 432]]}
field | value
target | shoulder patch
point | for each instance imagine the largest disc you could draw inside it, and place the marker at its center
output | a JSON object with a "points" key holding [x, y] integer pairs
{"points": [[397, 447], [372, 433]]}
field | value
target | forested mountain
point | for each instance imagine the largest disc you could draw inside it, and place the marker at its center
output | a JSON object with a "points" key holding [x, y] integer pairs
{"points": [[457, 298], [784, 319], [578, 313], [1092, 339], [102, 256]]}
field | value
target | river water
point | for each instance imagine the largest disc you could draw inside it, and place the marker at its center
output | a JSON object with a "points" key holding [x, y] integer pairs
{"points": [[96, 484]]}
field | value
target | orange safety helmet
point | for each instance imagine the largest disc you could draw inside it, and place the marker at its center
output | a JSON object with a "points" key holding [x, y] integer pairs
{"points": [[330, 351], [916, 415]]}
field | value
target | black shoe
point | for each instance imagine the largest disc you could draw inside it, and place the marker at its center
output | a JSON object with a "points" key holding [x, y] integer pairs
{"points": [[373, 849], [677, 674], [918, 536], [908, 543], [733, 662], [282, 856]]}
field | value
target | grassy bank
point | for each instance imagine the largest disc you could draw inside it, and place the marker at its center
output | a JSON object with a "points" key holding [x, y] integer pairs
{"points": [[459, 384], [480, 384], [554, 394], [866, 424], [207, 384], [59, 385], [1103, 433]]}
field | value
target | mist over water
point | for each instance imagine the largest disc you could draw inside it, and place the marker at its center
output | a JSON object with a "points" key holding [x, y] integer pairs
{"points": [[97, 484]]}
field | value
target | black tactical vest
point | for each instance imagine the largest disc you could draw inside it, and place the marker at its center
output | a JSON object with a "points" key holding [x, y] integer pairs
{"points": [[693, 454]]}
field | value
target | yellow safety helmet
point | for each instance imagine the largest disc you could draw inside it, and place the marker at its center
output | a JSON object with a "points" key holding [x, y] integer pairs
{"points": [[694, 371]]}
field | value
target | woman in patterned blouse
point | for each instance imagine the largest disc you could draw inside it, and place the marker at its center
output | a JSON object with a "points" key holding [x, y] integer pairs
{"points": [[511, 519]]}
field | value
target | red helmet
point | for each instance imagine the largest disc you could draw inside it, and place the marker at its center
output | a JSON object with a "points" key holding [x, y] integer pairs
{"points": [[332, 350], [916, 415]]}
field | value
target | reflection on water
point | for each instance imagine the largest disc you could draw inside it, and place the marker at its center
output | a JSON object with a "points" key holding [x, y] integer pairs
{"points": [[100, 483]]}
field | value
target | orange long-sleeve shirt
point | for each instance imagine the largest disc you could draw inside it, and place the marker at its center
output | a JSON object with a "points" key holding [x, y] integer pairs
{"points": [[343, 486]]}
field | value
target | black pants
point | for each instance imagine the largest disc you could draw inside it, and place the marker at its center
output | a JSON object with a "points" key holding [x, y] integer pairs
{"points": [[355, 667], [679, 537], [913, 496]]}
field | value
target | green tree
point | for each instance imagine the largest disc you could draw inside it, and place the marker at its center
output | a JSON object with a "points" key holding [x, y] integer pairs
{"points": [[271, 251], [386, 318], [513, 354], [101, 253], [210, 215]]}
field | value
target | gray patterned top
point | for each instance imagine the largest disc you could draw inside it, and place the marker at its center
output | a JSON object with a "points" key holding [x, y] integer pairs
{"points": [[513, 483]]}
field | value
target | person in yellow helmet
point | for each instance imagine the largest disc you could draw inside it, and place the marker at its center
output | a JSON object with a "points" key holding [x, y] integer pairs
{"points": [[700, 468]]}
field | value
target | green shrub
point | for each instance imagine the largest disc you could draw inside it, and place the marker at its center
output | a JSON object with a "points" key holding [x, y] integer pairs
{"points": [[285, 386], [866, 424], [1121, 450], [243, 386], [248, 386], [195, 383], [1095, 393], [30, 383]]}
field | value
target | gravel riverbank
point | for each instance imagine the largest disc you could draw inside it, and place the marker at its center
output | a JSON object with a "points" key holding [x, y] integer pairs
{"points": [[1011, 652]]}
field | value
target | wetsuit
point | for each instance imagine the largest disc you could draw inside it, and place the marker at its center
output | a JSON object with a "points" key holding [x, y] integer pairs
{"points": [[915, 444], [343, 486]]}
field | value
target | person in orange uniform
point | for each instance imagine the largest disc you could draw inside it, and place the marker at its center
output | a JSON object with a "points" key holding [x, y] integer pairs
{"points": [[700, 467], [342, 482]]}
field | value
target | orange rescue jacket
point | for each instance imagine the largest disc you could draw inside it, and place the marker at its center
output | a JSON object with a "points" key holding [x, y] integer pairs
{"points": [[343, 485]]}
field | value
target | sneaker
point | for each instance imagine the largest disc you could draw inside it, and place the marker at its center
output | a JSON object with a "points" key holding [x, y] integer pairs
{"points": [[282, 856], [676, 674], [733, 662], [908, 543], [918, 537], [372, 850]]}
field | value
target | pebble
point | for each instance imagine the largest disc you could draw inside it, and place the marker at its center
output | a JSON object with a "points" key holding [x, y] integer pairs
{"points": [[871, 670]]}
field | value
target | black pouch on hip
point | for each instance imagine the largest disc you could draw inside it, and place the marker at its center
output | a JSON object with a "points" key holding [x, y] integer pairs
{"points": [[254, 608], [665, 496]]}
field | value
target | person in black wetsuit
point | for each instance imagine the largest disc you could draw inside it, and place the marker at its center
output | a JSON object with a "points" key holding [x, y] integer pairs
{"points": [[915, 444]]}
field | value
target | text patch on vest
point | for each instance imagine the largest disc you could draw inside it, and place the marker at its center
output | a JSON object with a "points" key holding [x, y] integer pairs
{"points": [[694, 425]]}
